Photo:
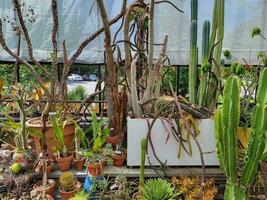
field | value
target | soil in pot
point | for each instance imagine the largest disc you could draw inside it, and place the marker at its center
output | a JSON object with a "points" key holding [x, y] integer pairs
{"points": [[114, 140], [50, 187], [95, 169], [69, 130], [64, 164], [118, 159], [69, 194], [79, 164]]}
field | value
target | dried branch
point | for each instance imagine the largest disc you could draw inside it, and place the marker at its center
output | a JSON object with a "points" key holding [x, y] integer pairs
{"points": [[94, 35], [27, 37], [21, 60]]}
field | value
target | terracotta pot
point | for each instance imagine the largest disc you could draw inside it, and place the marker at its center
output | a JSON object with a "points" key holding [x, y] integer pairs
{"points": [[49, 190], [67, 195], [118, 160], [49, 197], [95, 169], [79, 164], [114, 140], [264, 170], [64, 164], [36, 124]]}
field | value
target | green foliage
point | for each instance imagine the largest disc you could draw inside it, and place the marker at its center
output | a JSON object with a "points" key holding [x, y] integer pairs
{"points": [[58, 129], [157, 189], [255, 32], [237, 69], [100, 132], [82, 195], [144, 143], [67, 180], [226, 123], [227, 54], [77, 94]]}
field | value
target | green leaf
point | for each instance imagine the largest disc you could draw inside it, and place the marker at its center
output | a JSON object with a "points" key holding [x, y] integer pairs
{"points": [[33, 132]]}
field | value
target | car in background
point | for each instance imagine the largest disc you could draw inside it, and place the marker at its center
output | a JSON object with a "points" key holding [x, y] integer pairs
{"points": [[93, 77], [74, 77], [86, 77]]}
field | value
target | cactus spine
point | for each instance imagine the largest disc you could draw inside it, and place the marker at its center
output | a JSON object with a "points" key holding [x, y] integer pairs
{"points": [[193, 53], [143, 159], [226, 122], [205, 62]]}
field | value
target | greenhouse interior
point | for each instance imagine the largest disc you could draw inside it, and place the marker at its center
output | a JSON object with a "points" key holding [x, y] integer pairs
{"points": [[133, 99]]}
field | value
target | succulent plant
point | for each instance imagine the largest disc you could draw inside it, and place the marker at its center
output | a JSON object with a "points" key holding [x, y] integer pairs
{"points": [[163, 105], [226, 123], [255, 32], [67, 180], [157, 189]]}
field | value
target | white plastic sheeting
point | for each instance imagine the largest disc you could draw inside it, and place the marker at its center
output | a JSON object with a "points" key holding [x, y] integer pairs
{"points": [[80, 18]]}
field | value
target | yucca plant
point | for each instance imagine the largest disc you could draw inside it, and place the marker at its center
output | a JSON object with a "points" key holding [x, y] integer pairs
{"points": [[157, 189]]}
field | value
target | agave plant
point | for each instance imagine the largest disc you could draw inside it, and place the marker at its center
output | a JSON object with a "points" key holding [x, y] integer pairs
{"points": [[157, 189]]}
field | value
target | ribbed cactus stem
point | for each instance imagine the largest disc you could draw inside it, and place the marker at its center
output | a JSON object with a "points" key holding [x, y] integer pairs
{"points": [[258, 137], [194, 10], [226, 123], [143, 159], [205, 60], [193, 63], [218, 48]]}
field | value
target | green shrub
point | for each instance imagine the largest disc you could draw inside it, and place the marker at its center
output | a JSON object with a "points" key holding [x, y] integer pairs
{"points": [[77, 94]]}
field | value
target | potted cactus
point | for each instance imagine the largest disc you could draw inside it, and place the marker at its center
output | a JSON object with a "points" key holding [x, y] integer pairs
{"points": [[226, 123], [68, 185]]}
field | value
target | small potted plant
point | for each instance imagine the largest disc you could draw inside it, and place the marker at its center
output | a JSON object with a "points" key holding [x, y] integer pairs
{"points": [[95, 157], [63, 157], [46, 186], [37, 195], [118, 156], [78, 159], [68, 185], [81, 195]]}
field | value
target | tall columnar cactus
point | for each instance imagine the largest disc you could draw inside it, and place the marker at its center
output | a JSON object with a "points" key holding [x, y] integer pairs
{"points": [[205, 63], [226, 122], [259, 128], [144, 143], [193, 52], [193, 63]]}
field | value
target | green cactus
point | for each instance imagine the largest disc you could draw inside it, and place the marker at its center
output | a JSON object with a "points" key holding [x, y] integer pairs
{"points": [[205, 62], [163, 105], [259, 127], [194, 10], [143, 159], [67, 181], [226, 122], [193, 63]]}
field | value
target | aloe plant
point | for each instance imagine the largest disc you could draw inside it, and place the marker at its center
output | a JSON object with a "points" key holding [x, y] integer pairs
{"points": [[226, 123]]}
